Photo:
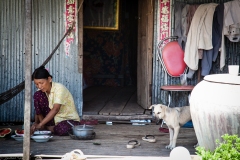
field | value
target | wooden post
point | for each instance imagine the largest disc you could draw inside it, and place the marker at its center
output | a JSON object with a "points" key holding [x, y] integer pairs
{"points": [[28, 79], [80, 36]]}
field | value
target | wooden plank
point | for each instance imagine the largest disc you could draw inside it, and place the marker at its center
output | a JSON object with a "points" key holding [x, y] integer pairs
{"points": [[95, 97], [91, 92], [80, 36], [117, 118], [148, 111], [149, 55], [116, 105], [28, 77], [92, 157], [12, 156], [145, 40], [113, 140], [132, 108], [104, 94], [93, 107]]}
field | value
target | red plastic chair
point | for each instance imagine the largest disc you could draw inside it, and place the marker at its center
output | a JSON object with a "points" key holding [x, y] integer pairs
{"points": [[171, 57]]}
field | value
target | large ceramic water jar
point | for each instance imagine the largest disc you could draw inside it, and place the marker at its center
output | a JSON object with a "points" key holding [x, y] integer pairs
{"points": [[215, 108]]}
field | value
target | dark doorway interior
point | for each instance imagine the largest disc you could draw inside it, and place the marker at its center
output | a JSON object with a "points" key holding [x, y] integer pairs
{"points": [[110, 57], [110, 66]]}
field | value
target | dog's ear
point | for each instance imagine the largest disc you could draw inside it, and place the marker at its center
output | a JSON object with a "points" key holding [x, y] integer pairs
{"points": [[151, 107]]}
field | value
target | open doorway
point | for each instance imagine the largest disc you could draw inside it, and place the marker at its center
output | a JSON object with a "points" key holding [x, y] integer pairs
{"points": [[110, 66]]}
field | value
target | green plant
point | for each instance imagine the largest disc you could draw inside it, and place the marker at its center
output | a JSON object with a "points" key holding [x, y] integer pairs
{"points": [[228, 149]]}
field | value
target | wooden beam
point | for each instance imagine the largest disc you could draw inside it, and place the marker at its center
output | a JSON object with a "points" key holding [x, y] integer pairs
{"points": [[28, 79], [117, 118], [11, 155], [80, 36]]}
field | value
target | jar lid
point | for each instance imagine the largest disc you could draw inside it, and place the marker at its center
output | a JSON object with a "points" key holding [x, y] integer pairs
{"points": [[223, 78]]}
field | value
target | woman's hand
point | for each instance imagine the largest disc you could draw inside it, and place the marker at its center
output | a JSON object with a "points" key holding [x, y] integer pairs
{"points": [[35, 126], [38, 126]]}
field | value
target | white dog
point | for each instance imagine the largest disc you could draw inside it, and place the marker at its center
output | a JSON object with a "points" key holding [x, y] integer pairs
{"points": [[174, 119]]}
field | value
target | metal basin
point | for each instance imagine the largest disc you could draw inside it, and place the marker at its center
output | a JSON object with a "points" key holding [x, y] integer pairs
{"points": [[82, 130]]}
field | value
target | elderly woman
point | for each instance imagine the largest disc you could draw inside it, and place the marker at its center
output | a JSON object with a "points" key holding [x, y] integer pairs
{"points": [[54, 105]]}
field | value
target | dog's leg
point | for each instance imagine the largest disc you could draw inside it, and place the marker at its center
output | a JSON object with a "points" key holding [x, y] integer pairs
{"points": [[176, 131], [171, 132], [196, 145]]}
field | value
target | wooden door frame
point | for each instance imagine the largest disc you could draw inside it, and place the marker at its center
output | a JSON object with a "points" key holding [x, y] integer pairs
{"points": [[145, 48], [145, 51], [80, 37]]}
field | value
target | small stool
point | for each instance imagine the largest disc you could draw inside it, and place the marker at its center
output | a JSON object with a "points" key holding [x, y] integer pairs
{"points": [[176, 88]]}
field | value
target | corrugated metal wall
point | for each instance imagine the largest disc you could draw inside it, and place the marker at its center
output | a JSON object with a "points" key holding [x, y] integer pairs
{"points": [[160, 77], [48, 27]]}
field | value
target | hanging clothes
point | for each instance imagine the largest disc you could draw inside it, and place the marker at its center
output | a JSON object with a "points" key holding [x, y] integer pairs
{"points": [[183, 18], [231, 22], [189, 16], [200, 34], [178, 7], [210, 56], [185, 24], [231, 13]]}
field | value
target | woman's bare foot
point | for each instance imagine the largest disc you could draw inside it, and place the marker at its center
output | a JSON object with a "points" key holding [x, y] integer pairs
{"points": [[50, 128]]}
